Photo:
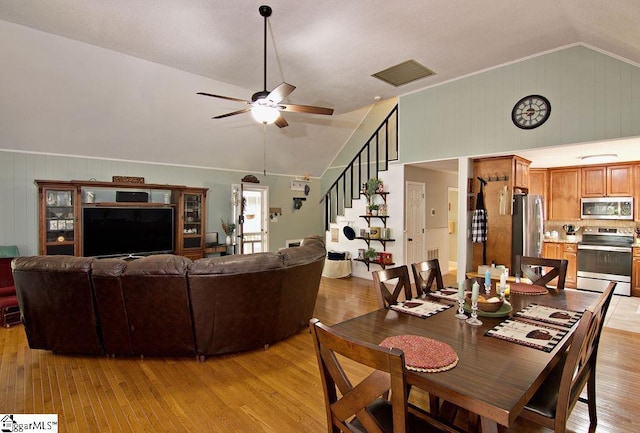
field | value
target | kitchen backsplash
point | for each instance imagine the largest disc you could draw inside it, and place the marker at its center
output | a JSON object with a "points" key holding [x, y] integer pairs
{"points": [[551, 226]]}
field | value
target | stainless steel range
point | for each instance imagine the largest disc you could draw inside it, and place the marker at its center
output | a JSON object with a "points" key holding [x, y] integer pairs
{"points": [[605, 255]]}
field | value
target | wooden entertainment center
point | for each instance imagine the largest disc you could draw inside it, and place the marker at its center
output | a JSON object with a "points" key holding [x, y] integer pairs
{"points": [[61, 205]]}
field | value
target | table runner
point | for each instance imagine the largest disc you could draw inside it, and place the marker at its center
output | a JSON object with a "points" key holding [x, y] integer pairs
{"points": [[529, 334], [423, 354], [420, 307], [554, 316]]}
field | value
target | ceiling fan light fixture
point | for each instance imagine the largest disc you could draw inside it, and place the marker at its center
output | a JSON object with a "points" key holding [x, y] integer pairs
{"points": [[265, 114]]}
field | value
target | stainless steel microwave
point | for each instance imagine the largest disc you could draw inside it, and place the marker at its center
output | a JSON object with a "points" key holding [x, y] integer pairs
{"points": [[607, 208]]}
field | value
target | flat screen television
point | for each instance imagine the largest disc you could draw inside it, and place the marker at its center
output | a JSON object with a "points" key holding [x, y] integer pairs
{"points": [[120, 231]]}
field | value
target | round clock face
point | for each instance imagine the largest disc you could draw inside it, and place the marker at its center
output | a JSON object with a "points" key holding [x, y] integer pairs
{"points": [[531, 112]]}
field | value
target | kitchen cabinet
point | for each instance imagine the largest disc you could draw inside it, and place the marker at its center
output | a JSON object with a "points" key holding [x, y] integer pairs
{"points": [[551, 250], [539, 184], [635, 273], [521, 172], [570, 254], [567, 251], [607, 180], [564, 193], [636, 190]]}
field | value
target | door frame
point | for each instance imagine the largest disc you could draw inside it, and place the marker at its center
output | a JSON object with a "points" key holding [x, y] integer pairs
{"points": [[408, 257], [239, 190]]}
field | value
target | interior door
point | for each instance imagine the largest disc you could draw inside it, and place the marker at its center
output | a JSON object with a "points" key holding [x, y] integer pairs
{"points": [[415, 221], [254, 214]]}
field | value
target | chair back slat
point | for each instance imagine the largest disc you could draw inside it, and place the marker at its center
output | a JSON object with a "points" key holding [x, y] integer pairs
{"points": [[425, 274]]}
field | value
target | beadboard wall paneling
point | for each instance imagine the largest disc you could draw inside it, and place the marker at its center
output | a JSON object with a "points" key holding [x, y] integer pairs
{"points": [[593, 97], [19, 195]]}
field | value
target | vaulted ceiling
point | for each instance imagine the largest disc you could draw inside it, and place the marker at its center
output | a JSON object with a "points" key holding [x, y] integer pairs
{"points": [[328, 49]]}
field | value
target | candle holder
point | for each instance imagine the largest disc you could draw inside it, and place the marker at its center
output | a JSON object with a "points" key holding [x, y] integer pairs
{"points": [[487, 288], [473, 320], [461, 314]]}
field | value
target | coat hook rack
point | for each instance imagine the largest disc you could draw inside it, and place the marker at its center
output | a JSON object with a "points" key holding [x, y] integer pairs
{"points": [[493, 178]]}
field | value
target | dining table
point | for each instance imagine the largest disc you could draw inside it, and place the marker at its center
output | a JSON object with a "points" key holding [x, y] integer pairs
{"points": [[494, 378]]}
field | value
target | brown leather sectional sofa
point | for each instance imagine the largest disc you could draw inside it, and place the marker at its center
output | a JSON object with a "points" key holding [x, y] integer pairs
{"points": [[168, 305]]}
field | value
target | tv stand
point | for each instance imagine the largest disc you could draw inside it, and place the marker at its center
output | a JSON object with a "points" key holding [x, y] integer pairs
{"points": [[60, 205]]}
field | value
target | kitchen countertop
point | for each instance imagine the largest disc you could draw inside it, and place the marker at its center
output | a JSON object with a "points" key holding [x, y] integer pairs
{"points": [[562, 240]]}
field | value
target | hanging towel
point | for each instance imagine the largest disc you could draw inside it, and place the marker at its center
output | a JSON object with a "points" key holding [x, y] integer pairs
{"points": [[479, 220], [504, 201], [479, 225]]}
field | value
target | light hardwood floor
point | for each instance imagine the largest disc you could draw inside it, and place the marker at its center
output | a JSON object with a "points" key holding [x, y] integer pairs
{"points": [[271, 391]]}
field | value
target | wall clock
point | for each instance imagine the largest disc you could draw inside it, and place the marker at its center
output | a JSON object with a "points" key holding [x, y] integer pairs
{"points": [[531, 112]]}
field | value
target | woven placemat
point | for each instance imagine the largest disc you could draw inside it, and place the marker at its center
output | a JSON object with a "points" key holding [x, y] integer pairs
{"points": [[528, 289], [423, 354]]}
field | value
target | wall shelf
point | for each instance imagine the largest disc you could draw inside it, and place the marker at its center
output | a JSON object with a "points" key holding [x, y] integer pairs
{"points": [[369, 262]]}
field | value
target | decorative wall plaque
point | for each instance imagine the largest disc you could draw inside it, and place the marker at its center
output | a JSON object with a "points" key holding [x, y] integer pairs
{"points": [[127, 179]]}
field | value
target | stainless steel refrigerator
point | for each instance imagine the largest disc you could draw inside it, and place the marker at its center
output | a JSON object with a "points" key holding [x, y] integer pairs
{"points": [[528, 230]]}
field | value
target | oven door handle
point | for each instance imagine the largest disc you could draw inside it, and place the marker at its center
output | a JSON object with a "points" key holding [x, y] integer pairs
{"points": [[605, 248]]}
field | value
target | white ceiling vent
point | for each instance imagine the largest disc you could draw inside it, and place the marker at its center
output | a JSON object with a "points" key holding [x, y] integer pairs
{"points": [[403, 73]]}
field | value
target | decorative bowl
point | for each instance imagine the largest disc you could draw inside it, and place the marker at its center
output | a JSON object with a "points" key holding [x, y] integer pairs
{"points": [[490, 305]]}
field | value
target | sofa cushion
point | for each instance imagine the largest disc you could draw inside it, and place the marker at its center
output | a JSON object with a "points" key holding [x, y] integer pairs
{"points": [[108, 267], [313, 250], [236, 264], [157, 305], [56, 301], [161, 264], [53, 264], [107, 288]]}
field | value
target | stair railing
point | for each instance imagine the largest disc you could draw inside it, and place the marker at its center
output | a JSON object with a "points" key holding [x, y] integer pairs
{"points": [[372, 158]]}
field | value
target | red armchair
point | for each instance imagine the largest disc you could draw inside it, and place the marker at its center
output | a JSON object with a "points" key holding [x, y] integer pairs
{"points": [[9, 310]]}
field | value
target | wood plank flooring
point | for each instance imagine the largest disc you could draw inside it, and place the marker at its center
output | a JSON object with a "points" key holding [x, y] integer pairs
{"points": [[271, 391]]}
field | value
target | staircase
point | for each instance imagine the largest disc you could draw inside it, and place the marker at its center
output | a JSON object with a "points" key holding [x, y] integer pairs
{"points": [[373, 158]]}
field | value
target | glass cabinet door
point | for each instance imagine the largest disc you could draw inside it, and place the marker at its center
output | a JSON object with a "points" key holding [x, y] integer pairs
{"points": [[192, 221], [59, 221]]}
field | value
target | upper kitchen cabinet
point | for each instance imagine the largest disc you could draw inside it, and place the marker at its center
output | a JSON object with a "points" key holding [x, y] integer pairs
{"points": [[564, 193], [636, 189], [521, 172], [607, 180]]}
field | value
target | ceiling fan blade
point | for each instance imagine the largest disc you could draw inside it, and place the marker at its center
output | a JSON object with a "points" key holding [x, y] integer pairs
{"points": [[281, 122], [306, 109], [222, 116], [224, 97], [280, 92]]}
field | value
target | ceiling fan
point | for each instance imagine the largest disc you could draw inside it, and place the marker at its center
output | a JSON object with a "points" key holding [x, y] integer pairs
{"points": [[266, 106]]}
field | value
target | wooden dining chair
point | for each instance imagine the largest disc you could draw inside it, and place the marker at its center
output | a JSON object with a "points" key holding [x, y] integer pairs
{"points": [[552, 403], [363, 406], [397, 277], [425, 274], [541, 271]]}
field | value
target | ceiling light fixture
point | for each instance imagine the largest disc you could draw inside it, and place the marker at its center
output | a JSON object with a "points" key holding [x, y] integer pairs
{"points": [[605, 157], [264, 113]]}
